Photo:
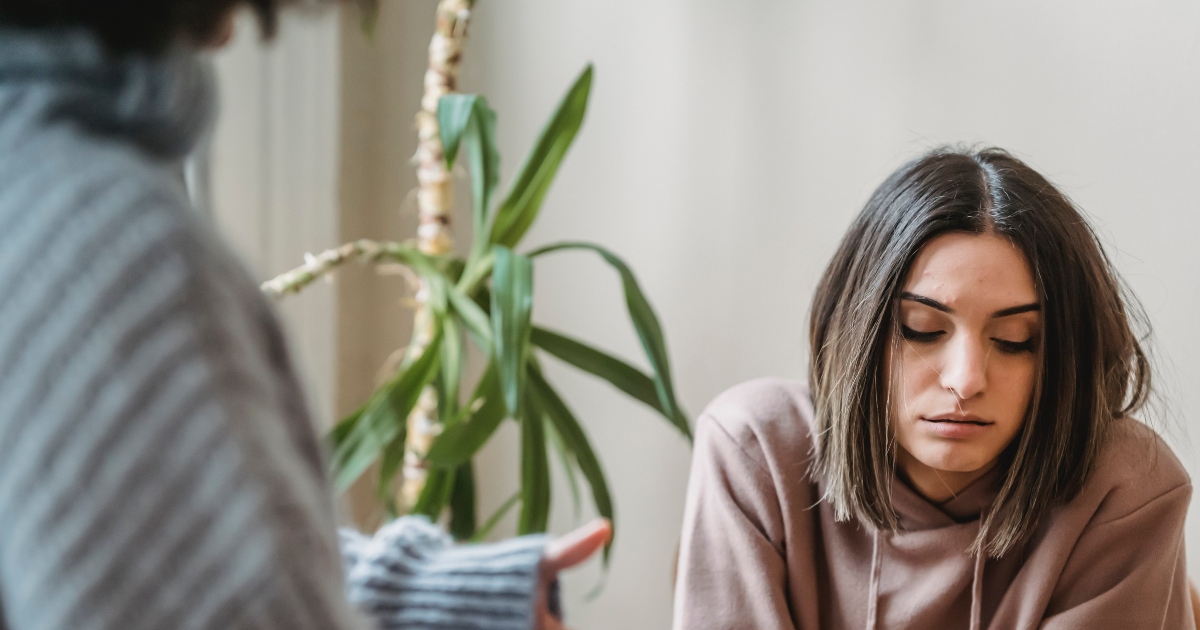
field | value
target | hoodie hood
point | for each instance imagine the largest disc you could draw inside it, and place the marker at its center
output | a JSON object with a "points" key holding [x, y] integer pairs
{"points": [[929, 528], [917, 513], [162, 104]]}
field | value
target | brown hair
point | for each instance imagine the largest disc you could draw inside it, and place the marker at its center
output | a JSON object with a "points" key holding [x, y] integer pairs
{"points": [[136, 26], [1093, 369]]}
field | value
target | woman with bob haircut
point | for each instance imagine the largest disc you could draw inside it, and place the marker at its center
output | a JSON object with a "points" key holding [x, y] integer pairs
{"points": [[963, 454], [158, 468]]}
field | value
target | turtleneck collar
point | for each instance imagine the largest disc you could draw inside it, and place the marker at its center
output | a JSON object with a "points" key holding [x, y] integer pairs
{"points": [[162, 104]]}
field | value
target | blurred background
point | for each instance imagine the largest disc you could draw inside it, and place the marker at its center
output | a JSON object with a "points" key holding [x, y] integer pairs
{"points": [[727, 147]]}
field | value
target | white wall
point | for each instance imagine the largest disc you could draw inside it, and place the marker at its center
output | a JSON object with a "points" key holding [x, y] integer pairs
{"points": [[274, 173], [729, 145]]}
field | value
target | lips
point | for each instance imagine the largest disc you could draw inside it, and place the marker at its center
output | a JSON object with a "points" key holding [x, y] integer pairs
{"points": [[979, 423], [961, 418], [956, 426]]}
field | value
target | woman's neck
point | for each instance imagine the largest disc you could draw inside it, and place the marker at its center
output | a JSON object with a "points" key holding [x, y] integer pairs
{"points": [[936, 486]]}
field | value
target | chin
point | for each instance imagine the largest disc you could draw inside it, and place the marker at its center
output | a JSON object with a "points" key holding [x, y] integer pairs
{"points": [[957, 458]]}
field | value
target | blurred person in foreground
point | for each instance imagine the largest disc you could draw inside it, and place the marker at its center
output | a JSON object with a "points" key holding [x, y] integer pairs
{"points": [[158, 468]]}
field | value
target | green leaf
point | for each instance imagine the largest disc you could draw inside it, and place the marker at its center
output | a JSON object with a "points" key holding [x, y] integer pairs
{"points": [[473, 317], [344, 428], [454, 113], [623, 376], [461, 440], [384, 416], [462, 503], [576, 440], [512, 304], [450, 372], [389, 462], [475, 273], [452, 267], [649, 331], [434, 271], [535, 472], [494, 519], [567, 459], [521, 207], [467, 118], [439, 484], [439, 293]]}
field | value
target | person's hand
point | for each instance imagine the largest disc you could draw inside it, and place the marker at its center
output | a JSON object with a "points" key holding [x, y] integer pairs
{"points": [[564, 553]]}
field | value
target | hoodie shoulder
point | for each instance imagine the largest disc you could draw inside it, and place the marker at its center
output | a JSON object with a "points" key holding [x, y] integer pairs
{"points": [[1135, 467], [771, 419]]}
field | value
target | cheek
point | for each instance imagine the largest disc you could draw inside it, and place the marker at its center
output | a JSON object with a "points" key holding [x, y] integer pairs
{"points": [[914, 376], [1014, 380]]}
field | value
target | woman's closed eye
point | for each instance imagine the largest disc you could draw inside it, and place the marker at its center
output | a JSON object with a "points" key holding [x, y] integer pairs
{"points": [[1015, 347], [1005, 345], [920, 336]]}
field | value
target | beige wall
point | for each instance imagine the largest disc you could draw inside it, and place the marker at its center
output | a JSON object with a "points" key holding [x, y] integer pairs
{"points": [[274, 172], [728, 146]]}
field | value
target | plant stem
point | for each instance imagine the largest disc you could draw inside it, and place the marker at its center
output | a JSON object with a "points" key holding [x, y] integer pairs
{"points": [[326, 262], [435, 193], [435, 201]]}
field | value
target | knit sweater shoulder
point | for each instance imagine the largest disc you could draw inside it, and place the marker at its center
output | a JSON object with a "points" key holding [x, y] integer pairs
{"points": [[762, 547], [158, 468]]}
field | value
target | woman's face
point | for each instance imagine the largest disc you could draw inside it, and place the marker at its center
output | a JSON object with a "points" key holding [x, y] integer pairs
{"points": [[964, 367]]}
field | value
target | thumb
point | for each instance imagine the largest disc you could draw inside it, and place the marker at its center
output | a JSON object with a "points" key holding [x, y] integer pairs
{"points": [[577, 546]]}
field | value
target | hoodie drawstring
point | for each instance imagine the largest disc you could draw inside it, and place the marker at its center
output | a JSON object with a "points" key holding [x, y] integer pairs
{"points": [[977, 591], [877, 568], [873, 590]]}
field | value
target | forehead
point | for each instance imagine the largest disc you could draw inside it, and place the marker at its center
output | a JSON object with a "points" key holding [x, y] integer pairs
{"points": [[963, 270]]}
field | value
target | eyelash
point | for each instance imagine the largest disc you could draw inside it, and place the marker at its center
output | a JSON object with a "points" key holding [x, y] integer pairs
{"points": [[1009, 347], [920, 337], [1015, 347]]}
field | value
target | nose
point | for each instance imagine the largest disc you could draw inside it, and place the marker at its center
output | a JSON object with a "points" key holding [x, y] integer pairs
{"points": [[965, 368]]}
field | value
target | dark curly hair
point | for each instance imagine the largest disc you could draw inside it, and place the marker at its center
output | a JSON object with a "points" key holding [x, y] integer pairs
{"points": [[136, 26]]}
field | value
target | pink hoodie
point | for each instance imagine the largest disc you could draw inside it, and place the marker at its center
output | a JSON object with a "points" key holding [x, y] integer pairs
{"points": [[761, 549]]}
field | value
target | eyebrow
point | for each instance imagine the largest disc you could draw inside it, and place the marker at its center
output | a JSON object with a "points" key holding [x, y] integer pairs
{"points": [[1004, 312]]}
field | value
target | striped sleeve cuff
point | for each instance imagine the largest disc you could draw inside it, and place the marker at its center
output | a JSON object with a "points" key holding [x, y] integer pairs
{"points": [[410, 575]]}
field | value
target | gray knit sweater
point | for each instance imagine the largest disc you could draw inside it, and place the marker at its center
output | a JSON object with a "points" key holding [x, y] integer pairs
{"points": [[158, 469]]}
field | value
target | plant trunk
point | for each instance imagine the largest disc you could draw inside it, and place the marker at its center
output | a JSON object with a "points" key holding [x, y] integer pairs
{"points": [[435, 202]]}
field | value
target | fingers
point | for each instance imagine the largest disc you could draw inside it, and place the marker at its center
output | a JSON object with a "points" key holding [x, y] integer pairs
{"points": [[577, 546], [550, 622], [564, 553]]}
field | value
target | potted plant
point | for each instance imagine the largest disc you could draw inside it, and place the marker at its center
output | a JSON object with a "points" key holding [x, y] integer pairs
{"points": [[425, 423]]}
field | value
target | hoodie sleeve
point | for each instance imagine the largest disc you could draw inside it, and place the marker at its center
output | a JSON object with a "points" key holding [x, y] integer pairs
{"points": [[731, 572], [1128, 572], [411, 575]]}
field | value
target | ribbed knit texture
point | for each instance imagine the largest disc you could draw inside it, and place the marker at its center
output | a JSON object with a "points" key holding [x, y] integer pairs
{"points": [[158, 469], [409, 573]]}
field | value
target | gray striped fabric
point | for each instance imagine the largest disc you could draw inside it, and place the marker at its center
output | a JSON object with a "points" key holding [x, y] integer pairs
{"points": [[158, 469]]}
